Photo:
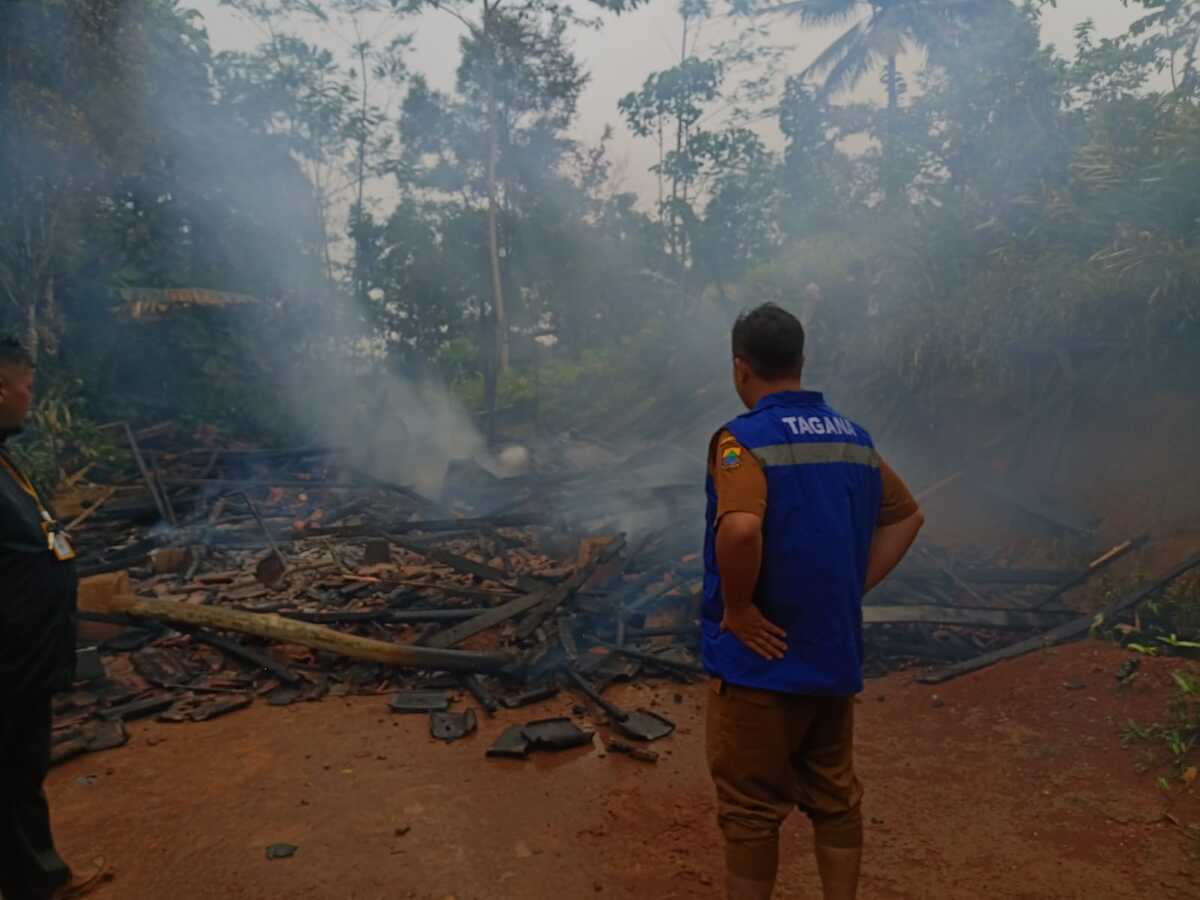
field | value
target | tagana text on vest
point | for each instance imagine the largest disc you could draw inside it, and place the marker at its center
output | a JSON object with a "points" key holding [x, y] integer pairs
{"points": [[823, 496]]}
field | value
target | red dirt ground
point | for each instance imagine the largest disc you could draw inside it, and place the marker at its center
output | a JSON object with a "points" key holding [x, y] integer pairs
{"points": [[1013, 784]]}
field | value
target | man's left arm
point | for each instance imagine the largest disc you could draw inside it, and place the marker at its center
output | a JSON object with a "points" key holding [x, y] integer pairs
{"points": [[900, 519]]}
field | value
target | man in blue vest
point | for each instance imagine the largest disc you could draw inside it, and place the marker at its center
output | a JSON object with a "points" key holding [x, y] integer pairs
{"points": [[803, 518]]}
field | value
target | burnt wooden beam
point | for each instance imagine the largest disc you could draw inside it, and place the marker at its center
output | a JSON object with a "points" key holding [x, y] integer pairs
{"points": [[1076, 628], [387, 616], [557, 597], [649, 658], [469, 566], [250, 483], [548, 599], [974, 617], [432, 525], [258, 658], [1096, 565]]}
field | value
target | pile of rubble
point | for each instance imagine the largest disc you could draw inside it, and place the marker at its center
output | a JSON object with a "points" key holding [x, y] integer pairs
{"points": [[219, 577]]}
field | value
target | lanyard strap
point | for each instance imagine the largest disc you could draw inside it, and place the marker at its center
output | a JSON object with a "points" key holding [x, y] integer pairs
{"points": [[22, 482], [56, 541]]}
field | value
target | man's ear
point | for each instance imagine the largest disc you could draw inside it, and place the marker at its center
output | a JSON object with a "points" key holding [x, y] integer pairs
{"points": [[739, 370]]}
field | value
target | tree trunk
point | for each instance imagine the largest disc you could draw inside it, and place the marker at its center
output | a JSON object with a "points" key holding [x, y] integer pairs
{"points": [[289, 631], [360, 278], [493, 211], [31, 326], [51, 325], [891, 189]]}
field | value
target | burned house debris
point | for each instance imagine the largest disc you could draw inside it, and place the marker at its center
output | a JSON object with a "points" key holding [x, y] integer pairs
{"points": [[224, 576]]}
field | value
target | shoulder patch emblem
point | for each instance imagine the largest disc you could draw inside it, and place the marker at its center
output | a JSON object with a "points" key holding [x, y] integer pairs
{"points": [[731, 457]]}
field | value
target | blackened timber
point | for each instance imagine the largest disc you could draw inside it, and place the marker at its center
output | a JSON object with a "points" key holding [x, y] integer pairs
{"points": [[483, 697], [988, 575], [950, 573], [642, 602], [387, 616], [469, 566], [431, 525], [238, 542], [138, 709], [402, 489], [650, 658], [255, 455], [547, 599], [931, 650], [956, 615], [102, 567], [490, 619], [556, 598], [145, 471], [258, 658], [242, 484], [1068, 631], [1094, 566]]}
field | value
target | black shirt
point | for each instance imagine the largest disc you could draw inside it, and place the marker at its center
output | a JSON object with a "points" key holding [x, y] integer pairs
{"points": [[37, 600]]}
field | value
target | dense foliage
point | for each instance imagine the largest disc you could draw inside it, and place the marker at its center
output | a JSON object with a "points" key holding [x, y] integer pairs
{"points": [[1010, 197]]}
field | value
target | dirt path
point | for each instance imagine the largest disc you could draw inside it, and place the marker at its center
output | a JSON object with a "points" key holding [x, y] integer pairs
{"points": [[1015, 786]]}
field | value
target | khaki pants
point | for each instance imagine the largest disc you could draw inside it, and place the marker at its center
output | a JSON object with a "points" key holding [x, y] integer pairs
{"points": [[769, 753]]}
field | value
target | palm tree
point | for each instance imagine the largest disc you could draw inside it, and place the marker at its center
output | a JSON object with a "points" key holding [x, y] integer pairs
{"points": [[882, 31]]}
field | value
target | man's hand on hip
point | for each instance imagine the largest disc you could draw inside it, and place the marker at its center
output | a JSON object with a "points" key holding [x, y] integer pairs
{"points": [[754, 630]]}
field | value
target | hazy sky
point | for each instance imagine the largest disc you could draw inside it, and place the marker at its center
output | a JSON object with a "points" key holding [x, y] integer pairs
{"points": [[624, 52]]}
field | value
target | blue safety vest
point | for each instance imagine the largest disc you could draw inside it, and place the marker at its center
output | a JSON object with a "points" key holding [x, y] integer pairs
{"points": [[823, 496]]}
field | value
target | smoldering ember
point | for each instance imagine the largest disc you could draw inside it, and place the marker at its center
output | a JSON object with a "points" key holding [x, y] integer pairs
{"points": [[503, 449]]}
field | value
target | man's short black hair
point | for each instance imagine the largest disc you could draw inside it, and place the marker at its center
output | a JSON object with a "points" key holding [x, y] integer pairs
{"points": [[14, 353], [771, 341]]}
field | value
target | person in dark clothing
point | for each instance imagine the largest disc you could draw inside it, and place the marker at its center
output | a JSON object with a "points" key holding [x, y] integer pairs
{"points": [[37, 652]]}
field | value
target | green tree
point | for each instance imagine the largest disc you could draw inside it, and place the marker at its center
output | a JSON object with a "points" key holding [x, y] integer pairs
{"points": [[698, 112], [1170, 33], [815, 179], [882, 31], [674, 99], [494, 29]]}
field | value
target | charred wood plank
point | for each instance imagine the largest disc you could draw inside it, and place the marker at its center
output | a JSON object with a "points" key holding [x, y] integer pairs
{"points": [[1068, 631], [1100, 562], [930, 614], [138, 709], [159, 501], [388, 616], [257, 658], [650, 658], [490, 619], [953, 576], [242, 484], [557, 597], [430, 525], [547, 600], [469, 566], [482, 695]]}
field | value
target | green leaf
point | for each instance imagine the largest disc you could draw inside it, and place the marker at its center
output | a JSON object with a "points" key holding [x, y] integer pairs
{"points": [[1186, 685]]}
